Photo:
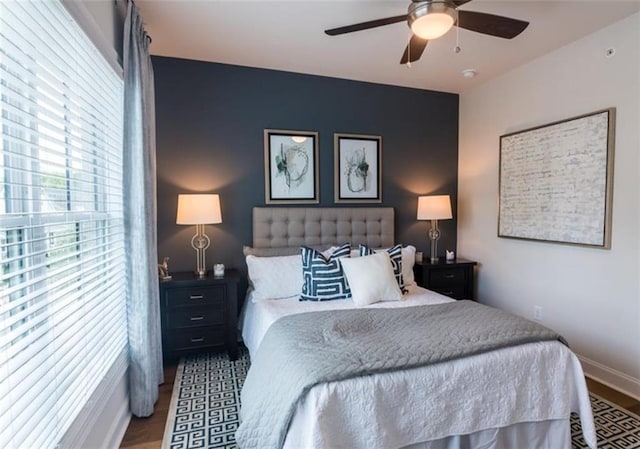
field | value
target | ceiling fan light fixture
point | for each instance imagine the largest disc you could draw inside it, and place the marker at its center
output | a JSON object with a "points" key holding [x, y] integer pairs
{"points": [[431, 19]]}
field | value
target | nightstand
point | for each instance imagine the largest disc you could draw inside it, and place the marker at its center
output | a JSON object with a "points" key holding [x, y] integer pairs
{"points": [[451, 278], [199, 314]]}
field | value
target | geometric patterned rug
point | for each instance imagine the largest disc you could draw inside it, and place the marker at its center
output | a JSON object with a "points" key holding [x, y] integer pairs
{"points": [[203, 412], [206, 396], [616, 428]]}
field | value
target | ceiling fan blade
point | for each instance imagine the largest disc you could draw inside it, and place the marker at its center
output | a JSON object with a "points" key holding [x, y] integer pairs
{"points": [[460, 2], [365, 25], [414, 49], [484, 23]]}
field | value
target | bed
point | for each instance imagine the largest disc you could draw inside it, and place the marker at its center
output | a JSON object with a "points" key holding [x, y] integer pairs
{"points": [[511, 397]]}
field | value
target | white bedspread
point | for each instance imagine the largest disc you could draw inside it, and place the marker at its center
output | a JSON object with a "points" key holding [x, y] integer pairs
{"points": [[533, 383]]}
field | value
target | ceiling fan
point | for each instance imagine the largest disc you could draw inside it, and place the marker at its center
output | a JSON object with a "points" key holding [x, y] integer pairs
{"points": [[430, 19]]}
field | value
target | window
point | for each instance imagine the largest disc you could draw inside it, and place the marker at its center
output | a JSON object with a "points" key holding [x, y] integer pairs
{"points": [[62, 278]]}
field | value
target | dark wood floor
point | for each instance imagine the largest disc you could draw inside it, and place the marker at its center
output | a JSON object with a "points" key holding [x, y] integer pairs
{"points": [[146, 433], [611, 395]]}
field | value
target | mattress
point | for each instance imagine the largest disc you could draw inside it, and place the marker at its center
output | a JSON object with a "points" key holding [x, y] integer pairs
{"points": [[518, 395]]}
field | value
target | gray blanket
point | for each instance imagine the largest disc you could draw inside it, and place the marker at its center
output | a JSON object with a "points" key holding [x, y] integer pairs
{"points": [[303, 350]]}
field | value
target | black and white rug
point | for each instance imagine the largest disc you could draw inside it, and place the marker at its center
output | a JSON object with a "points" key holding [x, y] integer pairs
{"points": [[206, 397], [205, 401]]}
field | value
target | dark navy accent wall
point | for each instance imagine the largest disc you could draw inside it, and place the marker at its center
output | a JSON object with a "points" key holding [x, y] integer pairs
{"points": [[210, 123]]}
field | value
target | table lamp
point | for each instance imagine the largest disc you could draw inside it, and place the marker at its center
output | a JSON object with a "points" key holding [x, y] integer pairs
{"points": [[199, 209], [434, 208]]}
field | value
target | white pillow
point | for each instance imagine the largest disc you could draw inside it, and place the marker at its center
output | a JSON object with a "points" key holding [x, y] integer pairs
{"points": [[371, 279], [275, 277], [408, 260]]}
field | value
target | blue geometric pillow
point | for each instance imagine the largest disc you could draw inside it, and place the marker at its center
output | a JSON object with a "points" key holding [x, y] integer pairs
{"points": [[395, 254], [323, 279]]}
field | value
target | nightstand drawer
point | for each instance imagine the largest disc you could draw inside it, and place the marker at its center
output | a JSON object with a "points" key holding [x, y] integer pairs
{"points": [[198, 338], [453, 291], [448, 276], [196, 316], [193, 296]]}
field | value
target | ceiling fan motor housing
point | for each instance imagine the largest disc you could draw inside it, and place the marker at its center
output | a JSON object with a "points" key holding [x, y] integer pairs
{"points": [[417, 17]]}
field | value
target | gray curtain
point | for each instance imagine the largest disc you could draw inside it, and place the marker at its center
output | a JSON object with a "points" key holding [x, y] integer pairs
{"points": [[143, 306]]}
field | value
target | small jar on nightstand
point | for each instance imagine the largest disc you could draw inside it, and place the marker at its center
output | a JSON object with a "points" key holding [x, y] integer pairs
{"points": [[452, 278]]}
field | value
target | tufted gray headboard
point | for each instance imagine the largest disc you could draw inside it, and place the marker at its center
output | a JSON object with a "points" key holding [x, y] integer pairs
{"points": [[279, 227]]}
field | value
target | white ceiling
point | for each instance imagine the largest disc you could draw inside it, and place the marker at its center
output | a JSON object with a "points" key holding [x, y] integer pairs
{"points": [[288, 35]]}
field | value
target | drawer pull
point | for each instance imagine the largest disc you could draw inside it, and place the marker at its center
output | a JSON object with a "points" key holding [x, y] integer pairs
{"points": [[197, 340], [196, 297], [196, 318], [449, 276], [449, 292]]}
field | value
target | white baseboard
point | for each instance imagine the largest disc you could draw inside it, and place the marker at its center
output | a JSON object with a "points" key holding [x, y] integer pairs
{"points": [[611, 378]]}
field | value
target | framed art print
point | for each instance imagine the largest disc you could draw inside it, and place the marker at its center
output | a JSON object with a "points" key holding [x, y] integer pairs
{"points": [[291, 166], [556, 181], [358, 168]]}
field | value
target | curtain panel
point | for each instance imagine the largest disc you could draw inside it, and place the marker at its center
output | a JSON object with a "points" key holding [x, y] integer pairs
{"points": [[143, 307]]}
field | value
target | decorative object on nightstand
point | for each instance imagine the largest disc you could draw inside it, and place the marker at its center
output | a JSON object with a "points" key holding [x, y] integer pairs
{"points": [[218, 270], [199, 209], [163, 270], [199, 314], [434, 208], [450, 278]]}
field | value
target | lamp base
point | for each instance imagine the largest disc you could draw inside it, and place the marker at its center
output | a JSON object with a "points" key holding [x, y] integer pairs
{"points": [[200, 242], [434, 235]]}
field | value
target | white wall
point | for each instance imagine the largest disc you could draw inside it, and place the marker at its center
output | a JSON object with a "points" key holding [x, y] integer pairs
{"points": [[103, 22], [591, 296]]}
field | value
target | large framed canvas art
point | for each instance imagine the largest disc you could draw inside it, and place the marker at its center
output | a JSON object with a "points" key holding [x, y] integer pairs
{"points": [[556, 181]]}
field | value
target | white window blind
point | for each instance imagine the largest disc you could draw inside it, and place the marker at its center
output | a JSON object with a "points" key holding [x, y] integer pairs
{"points": [[62, 279]]}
